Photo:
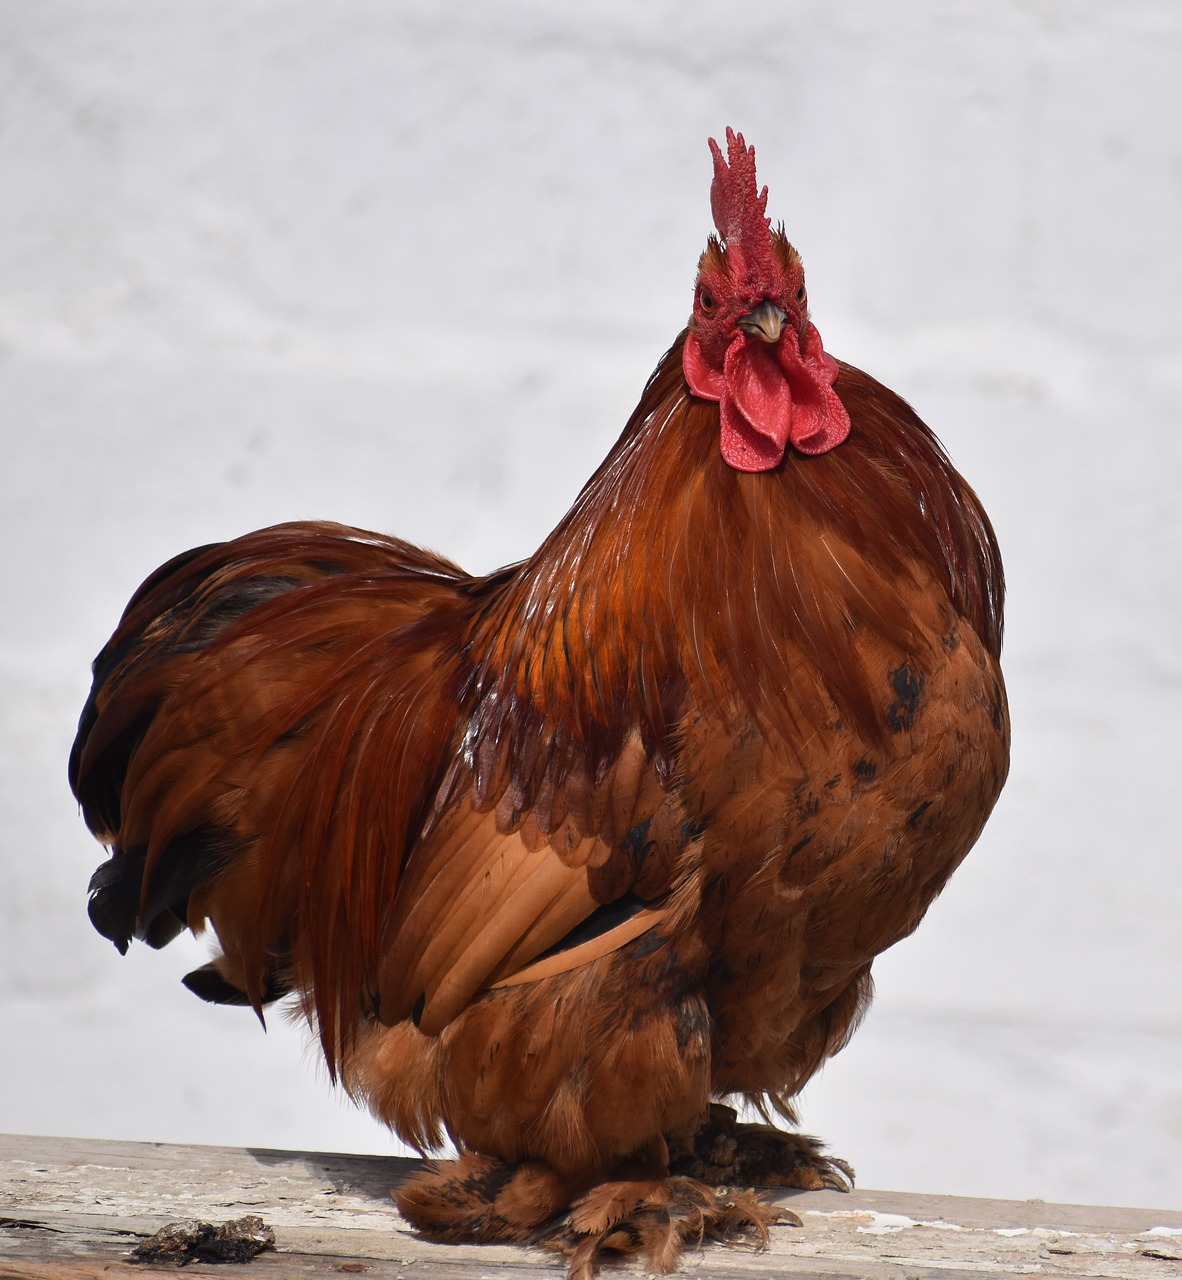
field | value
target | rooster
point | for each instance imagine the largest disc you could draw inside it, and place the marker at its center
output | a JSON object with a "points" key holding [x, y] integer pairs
{"points": [[558, 859]]}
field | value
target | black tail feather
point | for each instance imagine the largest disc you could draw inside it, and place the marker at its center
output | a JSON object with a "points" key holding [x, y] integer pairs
{"points": [[117, 887], [186, 861], [115, 897], [211, 985]]}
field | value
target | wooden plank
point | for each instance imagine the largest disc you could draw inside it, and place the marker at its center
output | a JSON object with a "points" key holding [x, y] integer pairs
{"points": [[72, 1209]]}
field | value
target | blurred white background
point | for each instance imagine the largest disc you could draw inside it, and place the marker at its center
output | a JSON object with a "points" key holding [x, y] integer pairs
{"points": [[408, 266]]}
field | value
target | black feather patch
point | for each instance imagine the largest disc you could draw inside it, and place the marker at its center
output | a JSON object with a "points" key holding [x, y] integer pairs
{"points": [[210, 985], [115, 897], [599, 922], [231, 605], [117, 887], [187, 861]]}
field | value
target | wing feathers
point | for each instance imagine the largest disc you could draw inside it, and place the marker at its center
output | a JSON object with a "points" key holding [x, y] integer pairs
{"points": [[490, 888]]}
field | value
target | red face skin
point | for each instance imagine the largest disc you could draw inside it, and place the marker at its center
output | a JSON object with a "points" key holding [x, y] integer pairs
{"points": [[751, 346]]}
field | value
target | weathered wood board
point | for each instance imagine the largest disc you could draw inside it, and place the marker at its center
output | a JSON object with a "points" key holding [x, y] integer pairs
{"points": [[71, 1209]]}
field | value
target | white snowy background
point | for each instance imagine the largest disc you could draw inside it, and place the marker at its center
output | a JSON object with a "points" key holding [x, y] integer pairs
{"points": [[408, 266]]}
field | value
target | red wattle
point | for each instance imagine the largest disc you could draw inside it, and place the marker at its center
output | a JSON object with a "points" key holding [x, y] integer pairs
{"points": [[757, 407], [703, 381], [744, 447], [819, 421], [770, 397]]}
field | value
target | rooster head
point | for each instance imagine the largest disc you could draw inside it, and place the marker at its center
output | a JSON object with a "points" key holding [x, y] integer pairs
{"points": [[750, 344]]}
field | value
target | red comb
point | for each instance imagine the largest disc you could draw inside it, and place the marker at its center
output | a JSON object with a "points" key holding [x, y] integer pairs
{"points": [[738, 206]]}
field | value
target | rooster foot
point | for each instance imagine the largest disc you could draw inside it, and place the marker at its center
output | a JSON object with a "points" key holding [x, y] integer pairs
{"points": [[656, 1218], [723, 1151]]}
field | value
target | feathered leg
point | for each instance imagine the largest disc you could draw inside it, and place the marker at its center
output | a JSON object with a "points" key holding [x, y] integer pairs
{"points": [[636, 1208], [657, 1218], [482, 1198], [721, 1152]]}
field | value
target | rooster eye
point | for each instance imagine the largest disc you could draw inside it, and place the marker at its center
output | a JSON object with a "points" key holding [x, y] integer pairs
{"points": [[706, 301], [800, 294]]}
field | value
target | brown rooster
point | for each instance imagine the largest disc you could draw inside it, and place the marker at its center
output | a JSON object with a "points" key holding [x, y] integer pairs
{"points": [[557, 857]]}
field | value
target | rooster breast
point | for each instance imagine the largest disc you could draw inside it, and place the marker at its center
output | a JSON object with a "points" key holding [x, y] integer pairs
{"points": [[840, 855]]}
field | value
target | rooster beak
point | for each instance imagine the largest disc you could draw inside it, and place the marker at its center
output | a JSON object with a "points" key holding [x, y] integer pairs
{"points": [[766, 322]]}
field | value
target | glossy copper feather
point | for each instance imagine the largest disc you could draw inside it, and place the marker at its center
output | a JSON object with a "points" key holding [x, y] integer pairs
{"points": [[556, 857]]}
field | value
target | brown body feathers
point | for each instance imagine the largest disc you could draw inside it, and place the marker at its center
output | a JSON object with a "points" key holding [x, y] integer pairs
{"points": [[556, 857]]}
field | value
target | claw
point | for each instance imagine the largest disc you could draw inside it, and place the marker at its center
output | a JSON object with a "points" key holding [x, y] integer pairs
{"points": [[839, 1176], [658, 1218], [722, 1149]]}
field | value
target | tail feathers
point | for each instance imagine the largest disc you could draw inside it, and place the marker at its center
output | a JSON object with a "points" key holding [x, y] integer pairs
{"points": [[266, 728]]}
